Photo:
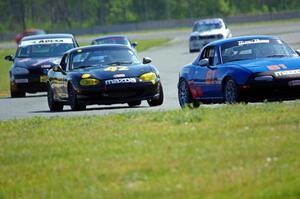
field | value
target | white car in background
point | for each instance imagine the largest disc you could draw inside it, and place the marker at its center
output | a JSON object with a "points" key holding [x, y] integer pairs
{"points": [[206, 31]]}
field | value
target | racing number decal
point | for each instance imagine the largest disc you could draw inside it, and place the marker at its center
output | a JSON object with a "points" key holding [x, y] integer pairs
{"points": [[210, 77], [277, 67], [196, 90], [116, 68]]}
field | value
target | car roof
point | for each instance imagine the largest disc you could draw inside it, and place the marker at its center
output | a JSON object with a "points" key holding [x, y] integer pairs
{"points": [[47, 36], [97, 47], [111, 37], [212, 20], [232, 39]]}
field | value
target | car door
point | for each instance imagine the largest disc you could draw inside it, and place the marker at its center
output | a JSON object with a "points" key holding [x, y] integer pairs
{"points": [[205, 77], [59, 78], [63, 76]]}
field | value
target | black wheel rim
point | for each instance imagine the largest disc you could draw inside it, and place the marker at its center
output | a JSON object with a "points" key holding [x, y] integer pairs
{"points": [[231, 92]]}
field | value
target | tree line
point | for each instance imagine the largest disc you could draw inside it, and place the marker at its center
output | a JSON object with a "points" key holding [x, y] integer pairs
{"points": [[17, 15]]}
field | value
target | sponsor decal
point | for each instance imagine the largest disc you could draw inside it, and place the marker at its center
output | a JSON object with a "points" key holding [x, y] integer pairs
{"points": [[294, 83], [46, 66], [47, 41], [277, 67], [43, 78], [18, 81], [210, 77], [119, 75], [254, 41], [116, 68], [287, 73], [120, 81]]}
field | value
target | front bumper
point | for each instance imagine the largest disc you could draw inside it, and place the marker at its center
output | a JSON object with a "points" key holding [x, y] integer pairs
{"points": [[118, 94], [30, 83], [279, 89]]}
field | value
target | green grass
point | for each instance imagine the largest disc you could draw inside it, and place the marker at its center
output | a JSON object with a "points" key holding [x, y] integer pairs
{"points": [[243, 151], [4, 68]]}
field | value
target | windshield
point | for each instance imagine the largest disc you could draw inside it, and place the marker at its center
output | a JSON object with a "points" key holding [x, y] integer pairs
{"points": [[255, 49], [202, 27], [103, 57], [43, 50], [121, 41]]}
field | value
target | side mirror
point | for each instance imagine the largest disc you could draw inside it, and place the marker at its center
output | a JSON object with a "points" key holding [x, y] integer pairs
{"points": [[9, 58], [298, 52], [134, 44], [204, 62], [146, 60], [57, 68]]}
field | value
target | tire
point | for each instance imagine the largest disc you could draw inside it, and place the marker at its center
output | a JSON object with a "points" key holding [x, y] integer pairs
{"points": [[53, 105], [160, 100], [231, 92], [73, 101], [14, 93], [135, 103], [185, 96]]}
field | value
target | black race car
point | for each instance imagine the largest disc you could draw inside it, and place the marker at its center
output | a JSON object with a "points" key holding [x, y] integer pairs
{"points": [[34, 57], [103, 74]]}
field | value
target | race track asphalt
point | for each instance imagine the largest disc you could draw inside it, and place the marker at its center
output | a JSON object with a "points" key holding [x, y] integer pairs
{"points": [[168, 59]]}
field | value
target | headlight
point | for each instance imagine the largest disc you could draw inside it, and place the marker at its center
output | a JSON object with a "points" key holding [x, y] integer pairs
{"points": [[264, 78], [149, 77], [20, 71], [220, 36], [89, 82]]}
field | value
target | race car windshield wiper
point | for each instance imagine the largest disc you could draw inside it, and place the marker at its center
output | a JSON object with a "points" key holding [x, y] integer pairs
{"points": [[120, 62], [278, 55]]}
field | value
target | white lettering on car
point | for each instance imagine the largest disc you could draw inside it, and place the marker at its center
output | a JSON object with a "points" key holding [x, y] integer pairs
{"points": [[287, 72], [254, 41], [120, 81]]}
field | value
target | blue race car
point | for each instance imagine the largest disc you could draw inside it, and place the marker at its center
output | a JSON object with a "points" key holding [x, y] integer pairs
{"points": [[249, 68]]}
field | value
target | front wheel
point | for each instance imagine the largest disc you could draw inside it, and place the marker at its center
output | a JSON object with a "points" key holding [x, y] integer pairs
{"points": [[160, 100], [185, 96], [73, 101], [231, 92], [14, 93], [53, 105]]}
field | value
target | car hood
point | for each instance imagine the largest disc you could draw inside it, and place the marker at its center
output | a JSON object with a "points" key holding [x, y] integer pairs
{"points": [[33, 63], [211, 32], [270, 64], [112, 72]]}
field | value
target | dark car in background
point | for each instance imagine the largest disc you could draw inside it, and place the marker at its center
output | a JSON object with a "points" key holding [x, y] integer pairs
{"points": [[117, 39], [29, 32], [103, 75], [33, 58]]}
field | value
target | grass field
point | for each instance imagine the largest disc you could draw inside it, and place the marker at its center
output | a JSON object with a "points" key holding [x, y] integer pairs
{"points": [[242, 151], [5, 65]]}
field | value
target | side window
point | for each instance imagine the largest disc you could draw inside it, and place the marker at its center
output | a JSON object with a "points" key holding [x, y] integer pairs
{"points": [[64, 62], [216, 58], [209, 53]]}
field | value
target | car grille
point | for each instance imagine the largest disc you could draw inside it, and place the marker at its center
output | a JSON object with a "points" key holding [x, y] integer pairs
{"points": [[219, 36]]}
